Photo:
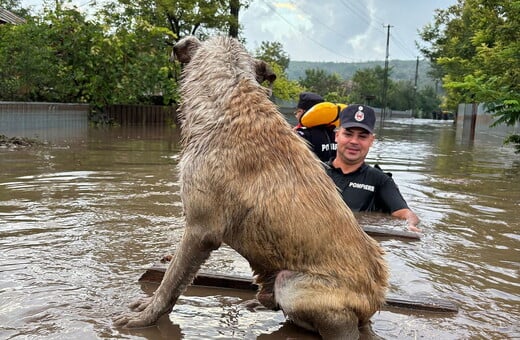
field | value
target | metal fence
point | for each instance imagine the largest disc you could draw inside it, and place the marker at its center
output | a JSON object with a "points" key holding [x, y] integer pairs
{"points": [[142, 114]]}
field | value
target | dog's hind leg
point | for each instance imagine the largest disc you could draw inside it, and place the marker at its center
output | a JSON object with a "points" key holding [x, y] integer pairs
{"points": [[305, 304]]}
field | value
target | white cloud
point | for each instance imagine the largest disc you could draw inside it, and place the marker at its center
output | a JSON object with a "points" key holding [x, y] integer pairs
{"points": [[340, 30]]}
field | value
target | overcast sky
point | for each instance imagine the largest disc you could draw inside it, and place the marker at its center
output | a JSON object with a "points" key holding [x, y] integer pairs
{"points": [[340, 30], [332, 30]]}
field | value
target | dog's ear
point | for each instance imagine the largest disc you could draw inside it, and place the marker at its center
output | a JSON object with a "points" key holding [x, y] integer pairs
{"points": [[184, 49], [264, 72]]}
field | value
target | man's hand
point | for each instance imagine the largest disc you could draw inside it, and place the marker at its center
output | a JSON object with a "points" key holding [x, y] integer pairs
{"points": [[410, 217], [414, 228]]}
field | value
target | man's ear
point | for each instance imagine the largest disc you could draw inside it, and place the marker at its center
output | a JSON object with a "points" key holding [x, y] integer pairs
{"points": [[184, 49], [336, 134]]}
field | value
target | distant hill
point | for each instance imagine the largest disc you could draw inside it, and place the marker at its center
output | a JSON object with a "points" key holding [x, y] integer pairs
{"points": [[400, 69]]}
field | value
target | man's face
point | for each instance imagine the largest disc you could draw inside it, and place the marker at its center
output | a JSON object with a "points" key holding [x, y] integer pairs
{"points": [[299, 113], [353, 144]]}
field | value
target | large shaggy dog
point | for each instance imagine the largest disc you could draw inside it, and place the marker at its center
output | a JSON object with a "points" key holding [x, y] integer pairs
{"points": [[247, 180]]}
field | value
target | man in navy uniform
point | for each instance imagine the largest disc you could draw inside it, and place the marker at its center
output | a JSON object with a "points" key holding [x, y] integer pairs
{"points": [[364, 188], [321, 137]]}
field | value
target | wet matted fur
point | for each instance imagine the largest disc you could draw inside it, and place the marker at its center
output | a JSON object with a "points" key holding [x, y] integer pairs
{"points": [[249, 181]]}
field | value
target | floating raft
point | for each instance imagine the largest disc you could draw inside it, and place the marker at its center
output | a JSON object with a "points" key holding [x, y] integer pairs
{"points": [[391, 233], [156, 273]]}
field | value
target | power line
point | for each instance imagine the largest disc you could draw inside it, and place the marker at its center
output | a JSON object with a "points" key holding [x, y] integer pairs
{"points": [[395, 38], [316, 19], [303, 33], [357, 11], [354, 8], [351, 8]]}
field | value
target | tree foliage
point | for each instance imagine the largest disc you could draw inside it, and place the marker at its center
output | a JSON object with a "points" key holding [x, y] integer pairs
{"points": [[181, 17], [120, 54], [427, 102], [284, 88], [401, 95], [475, 46], [63, 56], [274, 54], [325, 84], [14, 6], [367, 86]]}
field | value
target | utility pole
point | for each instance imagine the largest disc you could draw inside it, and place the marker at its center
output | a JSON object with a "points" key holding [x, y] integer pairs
{"points": [[385, 77], [414, 108]]}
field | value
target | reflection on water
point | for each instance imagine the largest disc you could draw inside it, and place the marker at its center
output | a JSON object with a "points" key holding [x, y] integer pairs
{"points": [[80, 222]]}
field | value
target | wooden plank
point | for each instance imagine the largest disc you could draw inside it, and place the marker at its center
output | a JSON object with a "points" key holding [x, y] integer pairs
{"points": [[428, 304], [156, 273], [387, 232]]}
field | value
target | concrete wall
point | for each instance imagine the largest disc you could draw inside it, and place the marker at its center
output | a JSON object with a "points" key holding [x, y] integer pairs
{"points": [[51, 122], [473, 122]]}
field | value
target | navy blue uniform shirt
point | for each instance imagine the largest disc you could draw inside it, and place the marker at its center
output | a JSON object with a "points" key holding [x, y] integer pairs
{"points": [[322, 141], [367, 189]]}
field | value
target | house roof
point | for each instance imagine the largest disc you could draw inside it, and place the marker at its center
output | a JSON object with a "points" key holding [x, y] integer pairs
{"points": [[9, 17]]}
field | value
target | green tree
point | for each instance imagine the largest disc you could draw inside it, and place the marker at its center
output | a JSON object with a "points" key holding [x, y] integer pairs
{"points": [[144, 26], [233, 22], [64, 57], [400, 95], [273, 52], [27, 63], [367, 86], [475, 47], [319, 81], [119, 55], [335, 97], [69, 35], [135, 56], [284, 88], [427, 102], [14, 6], [182, 17]]}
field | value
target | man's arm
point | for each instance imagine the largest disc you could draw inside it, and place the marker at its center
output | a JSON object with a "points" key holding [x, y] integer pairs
{"points": [[410, 217], [391, 196]]}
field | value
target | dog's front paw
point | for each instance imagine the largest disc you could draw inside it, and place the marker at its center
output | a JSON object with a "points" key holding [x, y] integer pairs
{"points": [[140, 304], [142, 316]]}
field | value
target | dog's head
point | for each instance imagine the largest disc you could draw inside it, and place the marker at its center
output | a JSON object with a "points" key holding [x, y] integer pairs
{"points": [[185, 49]]}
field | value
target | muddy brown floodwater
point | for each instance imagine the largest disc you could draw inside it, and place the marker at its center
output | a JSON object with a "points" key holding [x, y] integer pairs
{"points": [[81, 220]]}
